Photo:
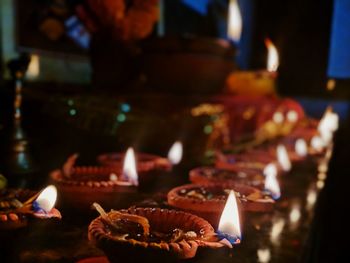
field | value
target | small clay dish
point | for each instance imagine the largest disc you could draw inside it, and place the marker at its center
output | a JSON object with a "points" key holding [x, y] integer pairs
{"points": [[172, 235], [208, 201], [207, 175], [12, 214]]}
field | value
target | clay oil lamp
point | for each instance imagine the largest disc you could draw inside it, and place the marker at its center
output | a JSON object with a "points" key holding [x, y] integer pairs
{"points": [[208, 200], [151, 234], [19, 207], [207, 175], [80, 186]]}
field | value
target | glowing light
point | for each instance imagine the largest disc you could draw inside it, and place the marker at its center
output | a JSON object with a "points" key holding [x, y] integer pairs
{"points": [[33, 67], [292, 116], [283, 158], [328, 125], [295, 214], [320, 184], [47, 198], [129, 167], [317, 143], [234, 21], [301, 147], [270, 170], [121, 117], [278, 117], [113, 177], [271, 183], [322, 176], [264, 255], [276, 230], [229, 221], [175, 153], [272, 56], [311, 198]]}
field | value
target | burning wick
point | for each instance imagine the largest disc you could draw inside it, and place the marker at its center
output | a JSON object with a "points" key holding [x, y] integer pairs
{"points": [[272, 56], [229, 230], [46, 200], [283, 158], [271, 183], [175, 153], [129, 168]]}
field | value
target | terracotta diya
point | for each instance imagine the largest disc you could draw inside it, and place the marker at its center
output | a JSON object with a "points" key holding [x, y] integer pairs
{"points": [[208, 201], [207, 175], [18, 207], [80, 186], [145, 234]]}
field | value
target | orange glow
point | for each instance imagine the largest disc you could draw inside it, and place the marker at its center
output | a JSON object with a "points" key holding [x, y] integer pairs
{"points": [[129, 167], [272, 56], [229, 221], [234, 21], [47, 198]]}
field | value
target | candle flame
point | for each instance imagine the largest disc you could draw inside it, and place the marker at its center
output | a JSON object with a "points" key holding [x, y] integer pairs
{"points": [[264, 255], [328, 125], [317, 143], [229, 221], [295, 214], [276, 230], [234, 21], [129, 167], [47, 198], [283, 158], [175, 153], [301, 147], [272, 56], [292, 116], [278, 117], [271, 183]]}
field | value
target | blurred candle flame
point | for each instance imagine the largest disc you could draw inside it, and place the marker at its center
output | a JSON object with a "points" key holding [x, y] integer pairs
{"points": [[234, 21], [317, 143], [264, 255], [301, 147], [328, 125], [271, 183], [175, 153], [278, 117], [47, 198], [276, 230], [229, 222], [272, 56], [292, 116], [295, 214], [283, 158], [129, 167]]}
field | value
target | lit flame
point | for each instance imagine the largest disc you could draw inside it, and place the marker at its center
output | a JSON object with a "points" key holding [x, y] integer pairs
{"points": [[264, 255], [234, 21], [175, 153], [283, 158], [295, 214], [47, 198], [272, 56], [129, 167], [276, 230], [33, 67], [278, 117], [271, 183], [229, 221], [317, 143], [292, 116], [328, 125], [301, 147], [311, 198]]}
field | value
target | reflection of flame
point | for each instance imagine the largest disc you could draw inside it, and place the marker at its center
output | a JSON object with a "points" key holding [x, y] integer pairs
{"points": [[47, 198], [271, 183], [129, 167], [175, 153], [264, 255], [278, 117], [276, 230], [283, 158], [234, 21], [301, 147], [272, 56], [229, 221]]}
